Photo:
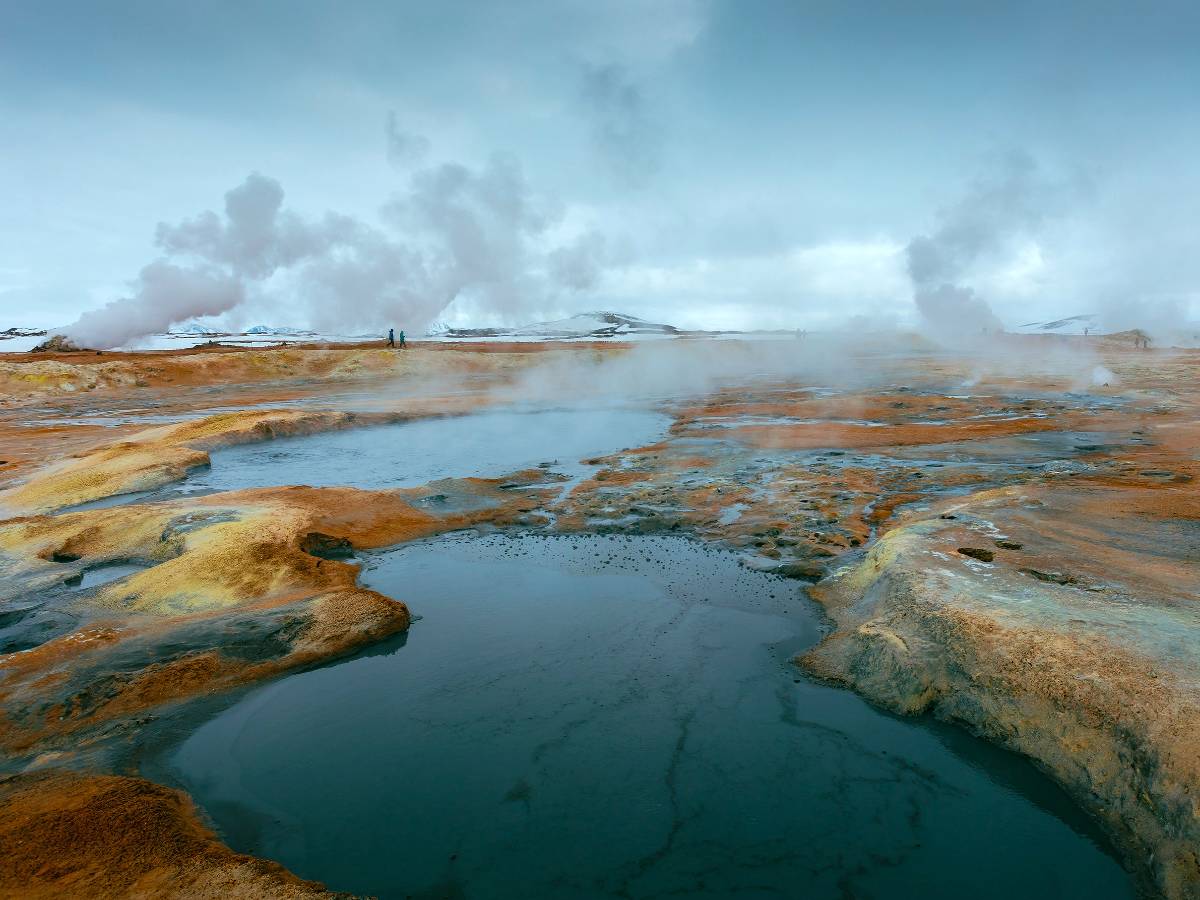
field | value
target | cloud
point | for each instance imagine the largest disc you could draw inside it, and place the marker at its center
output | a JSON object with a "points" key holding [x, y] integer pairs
{"points": [[579, 265], [404, 148], [623, 132], [807, 286]]}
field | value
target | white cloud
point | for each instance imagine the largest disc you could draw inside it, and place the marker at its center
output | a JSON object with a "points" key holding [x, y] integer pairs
{"points": [[808, 286]]}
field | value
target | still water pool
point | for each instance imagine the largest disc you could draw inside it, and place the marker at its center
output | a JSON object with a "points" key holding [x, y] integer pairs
{"points": [[617, 717], [492, 443]]}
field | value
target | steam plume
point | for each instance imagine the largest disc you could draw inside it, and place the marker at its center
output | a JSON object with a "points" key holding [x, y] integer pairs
{"points": [[164, 294], [994, 210], [482, 235]]}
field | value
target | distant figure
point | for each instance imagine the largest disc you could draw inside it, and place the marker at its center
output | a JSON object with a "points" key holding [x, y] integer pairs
{"points": [[402, 340], [392, 337]]}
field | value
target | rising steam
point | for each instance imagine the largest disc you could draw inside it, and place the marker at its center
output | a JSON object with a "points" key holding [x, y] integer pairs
{"points": [[164, 293], [456, 232], [994, 210]]}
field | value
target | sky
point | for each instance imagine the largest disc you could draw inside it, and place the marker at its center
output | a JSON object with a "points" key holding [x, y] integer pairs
{"points": [[708, 164]]}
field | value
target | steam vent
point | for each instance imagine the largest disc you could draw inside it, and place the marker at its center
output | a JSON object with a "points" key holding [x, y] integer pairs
{"points": [[657, 450]]}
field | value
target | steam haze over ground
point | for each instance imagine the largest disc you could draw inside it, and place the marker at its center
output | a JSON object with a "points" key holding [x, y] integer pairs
{"points": [[960, 169]]}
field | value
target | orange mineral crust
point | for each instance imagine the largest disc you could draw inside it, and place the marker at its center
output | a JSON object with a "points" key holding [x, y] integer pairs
{"points": [[1008, 541], [270, 556], [66, 834]]}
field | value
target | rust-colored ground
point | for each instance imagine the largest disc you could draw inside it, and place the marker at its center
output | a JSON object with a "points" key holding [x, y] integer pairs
{"points": [[69, 835], [1009, 547]]}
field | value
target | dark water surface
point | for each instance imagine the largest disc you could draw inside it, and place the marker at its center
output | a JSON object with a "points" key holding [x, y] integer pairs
{"points": [[618, 717]]}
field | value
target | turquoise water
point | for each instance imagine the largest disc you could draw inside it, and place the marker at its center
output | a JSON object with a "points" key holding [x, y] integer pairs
{"points": [[618, 717]]}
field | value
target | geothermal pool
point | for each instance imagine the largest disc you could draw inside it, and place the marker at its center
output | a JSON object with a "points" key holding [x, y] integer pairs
{"points": [[407, 454], [412, 453], [587, 716]]}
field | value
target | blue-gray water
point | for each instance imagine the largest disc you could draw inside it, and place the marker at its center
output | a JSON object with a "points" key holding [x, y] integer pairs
{"points": [[618, 717], [486, 444], [490, 443]]}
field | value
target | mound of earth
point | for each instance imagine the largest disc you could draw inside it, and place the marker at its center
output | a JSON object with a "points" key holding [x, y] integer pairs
{"points": [[58, 343], [68, 834]]}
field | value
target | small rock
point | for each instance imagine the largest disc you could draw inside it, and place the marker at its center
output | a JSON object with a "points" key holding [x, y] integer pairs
{"points": [[977, 553], [325, 546], [1051, 577], [806, 570], [1009, 545]]}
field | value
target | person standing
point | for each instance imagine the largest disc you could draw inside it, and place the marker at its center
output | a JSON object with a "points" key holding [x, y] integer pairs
{"points": [[401, 340], [392, 337]]}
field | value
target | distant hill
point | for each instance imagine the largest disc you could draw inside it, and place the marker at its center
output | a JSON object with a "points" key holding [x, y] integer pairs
{"points": [[276, 329], [1089, 322], [584, 325], [9, 333]]}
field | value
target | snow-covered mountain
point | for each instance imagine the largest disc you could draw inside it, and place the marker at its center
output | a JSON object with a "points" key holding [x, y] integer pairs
{"points": [[18, 340], [276, 329], [9, 333], [1087, 323], [590, 325], [194, 328]]}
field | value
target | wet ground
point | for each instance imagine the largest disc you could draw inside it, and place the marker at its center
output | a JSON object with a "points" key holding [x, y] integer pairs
{"points": [[31, 621], [595, 716], [615, 714]]}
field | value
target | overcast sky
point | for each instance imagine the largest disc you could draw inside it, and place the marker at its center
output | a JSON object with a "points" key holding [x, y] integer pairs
{"points": [[707, 164]]}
